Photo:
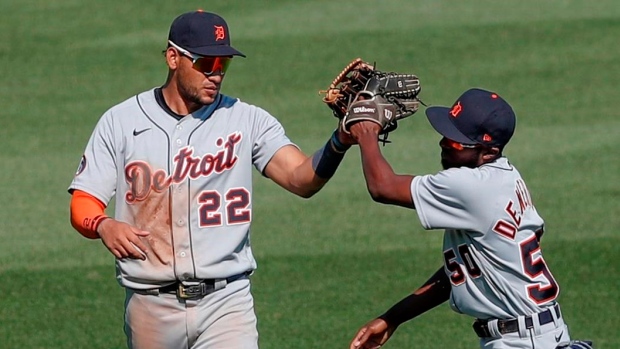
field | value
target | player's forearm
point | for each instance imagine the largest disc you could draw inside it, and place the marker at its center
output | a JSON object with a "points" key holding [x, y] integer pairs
{"points": [[326, 160], [377, 170], [86, 214], [305, 182], [312, 175], [303, 175], [433, 293]]}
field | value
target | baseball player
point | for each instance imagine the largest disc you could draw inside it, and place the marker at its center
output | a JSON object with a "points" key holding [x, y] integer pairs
{"points": [[179, 159], [493, 267]]}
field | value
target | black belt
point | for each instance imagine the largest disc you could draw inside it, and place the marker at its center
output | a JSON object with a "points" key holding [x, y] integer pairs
{"points": [[199, 290], [481, 327]]}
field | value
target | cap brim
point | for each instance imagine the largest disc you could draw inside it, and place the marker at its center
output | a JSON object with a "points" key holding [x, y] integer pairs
{"points": [[216, 50], [440, 119]]}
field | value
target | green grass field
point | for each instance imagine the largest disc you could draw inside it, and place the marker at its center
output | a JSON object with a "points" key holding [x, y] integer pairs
{"points": [[329, 264]]}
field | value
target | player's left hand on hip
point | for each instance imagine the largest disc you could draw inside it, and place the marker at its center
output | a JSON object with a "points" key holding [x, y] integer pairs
{"points": [[123, 240]]}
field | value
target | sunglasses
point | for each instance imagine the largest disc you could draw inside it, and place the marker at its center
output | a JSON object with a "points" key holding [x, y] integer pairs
{"points": [[207, 65], [448, 143]]}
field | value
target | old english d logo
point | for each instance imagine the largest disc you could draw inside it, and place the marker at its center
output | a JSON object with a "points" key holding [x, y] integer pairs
{"points": [[220, 34], [456, 110]]}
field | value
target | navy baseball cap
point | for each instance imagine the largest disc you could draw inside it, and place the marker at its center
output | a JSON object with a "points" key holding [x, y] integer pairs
{"points": [[477, 117], [202, 33]]}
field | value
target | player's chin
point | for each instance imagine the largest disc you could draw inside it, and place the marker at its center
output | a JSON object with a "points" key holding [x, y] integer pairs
{"points": [[207, 96], [446, 164]]}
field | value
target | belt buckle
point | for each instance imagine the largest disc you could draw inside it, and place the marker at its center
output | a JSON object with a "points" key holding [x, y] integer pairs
{"points": [[192, 291]]}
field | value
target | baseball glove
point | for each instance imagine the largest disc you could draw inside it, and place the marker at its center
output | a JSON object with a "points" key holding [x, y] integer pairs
{"points": [[361, 92]]}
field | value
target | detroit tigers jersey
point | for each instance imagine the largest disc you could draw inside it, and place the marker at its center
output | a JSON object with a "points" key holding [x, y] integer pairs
{"points": [[188, 181], [491, 253]]}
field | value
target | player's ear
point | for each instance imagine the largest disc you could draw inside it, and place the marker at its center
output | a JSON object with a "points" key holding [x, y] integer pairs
{"points": [[172, 58]]}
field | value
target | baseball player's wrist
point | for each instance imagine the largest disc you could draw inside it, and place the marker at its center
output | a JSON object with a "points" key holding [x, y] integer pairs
{"points": [[327, 159], [337, 144], [401, 312], [411, 307], [98, 224]]}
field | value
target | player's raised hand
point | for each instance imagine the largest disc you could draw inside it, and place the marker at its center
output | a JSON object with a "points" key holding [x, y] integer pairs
{"points": [[358, 129], [122, 239], [343, 137], [372, 335]]}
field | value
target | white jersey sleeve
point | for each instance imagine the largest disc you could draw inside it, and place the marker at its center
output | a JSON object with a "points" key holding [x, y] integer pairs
{"points": [[445, 200], [97, 171], [268, 137]]}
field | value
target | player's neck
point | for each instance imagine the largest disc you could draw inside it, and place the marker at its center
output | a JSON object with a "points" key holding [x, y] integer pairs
{"points": [[175, 101]]}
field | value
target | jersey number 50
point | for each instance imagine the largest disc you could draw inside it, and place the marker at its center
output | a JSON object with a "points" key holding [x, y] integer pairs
{"points": [[534, 267]]}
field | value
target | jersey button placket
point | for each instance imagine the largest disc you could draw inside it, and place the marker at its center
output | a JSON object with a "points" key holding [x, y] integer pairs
{"points": [[179, 141], [180, 206]]}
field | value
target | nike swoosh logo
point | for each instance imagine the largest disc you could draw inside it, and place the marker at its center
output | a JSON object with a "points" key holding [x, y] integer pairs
{"points": [[558, 337], [135, 133]]}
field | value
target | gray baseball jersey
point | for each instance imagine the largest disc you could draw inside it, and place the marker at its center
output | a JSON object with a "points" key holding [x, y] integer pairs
{"points": [[491, 252], [186, 180]]}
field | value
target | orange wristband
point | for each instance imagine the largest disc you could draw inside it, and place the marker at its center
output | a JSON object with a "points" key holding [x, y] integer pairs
{"points": [[87, 212]]}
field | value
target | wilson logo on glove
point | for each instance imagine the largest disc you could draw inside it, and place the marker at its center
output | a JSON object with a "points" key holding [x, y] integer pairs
{"points": [[358, 110], [388, 114]]}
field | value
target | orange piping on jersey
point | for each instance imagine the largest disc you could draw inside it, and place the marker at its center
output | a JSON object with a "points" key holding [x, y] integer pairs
{"points": [[86, 213]]}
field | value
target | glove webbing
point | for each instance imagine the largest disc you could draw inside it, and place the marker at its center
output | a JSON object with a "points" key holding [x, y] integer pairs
{"points": [[408, 94], [402, 108]]}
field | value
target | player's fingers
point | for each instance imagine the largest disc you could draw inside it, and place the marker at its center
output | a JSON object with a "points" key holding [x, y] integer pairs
{"points": [[138, 244], [122, 251], [139, 232], [142, 251], [116, 253], [113, 248], [132, 251], [360, 338]]}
